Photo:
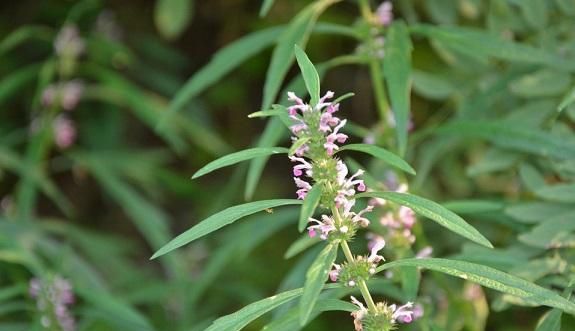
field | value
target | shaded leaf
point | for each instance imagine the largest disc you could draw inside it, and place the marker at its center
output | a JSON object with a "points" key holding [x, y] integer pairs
{"points": [[516, 138], [397, 71], [237, 157], [172, 17], [298, 33], [219, 220], [314, 281]]}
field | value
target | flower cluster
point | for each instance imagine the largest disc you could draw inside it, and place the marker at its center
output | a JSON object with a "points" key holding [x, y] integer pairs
{"points": [[53, 297], [349, 273], [383, 17], [384, 318], [316, 132]]}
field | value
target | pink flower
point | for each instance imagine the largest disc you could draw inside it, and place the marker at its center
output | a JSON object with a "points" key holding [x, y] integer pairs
{"points": [[424, 252], [384, 13], [325, 226], [304, 165], [334, 273], [322, 104], [330, 145], [64, 132], [402, 314], [303, 186], [378, 245]]}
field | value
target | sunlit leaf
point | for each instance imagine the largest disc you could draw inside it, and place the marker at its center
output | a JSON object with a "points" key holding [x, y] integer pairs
{"points": [[382, 154], [314, 281], [491, 278], [433, 211], [172, 17]]}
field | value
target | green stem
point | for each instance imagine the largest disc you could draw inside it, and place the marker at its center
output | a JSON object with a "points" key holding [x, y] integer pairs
{"points": [[361, 284], [374, 67]]}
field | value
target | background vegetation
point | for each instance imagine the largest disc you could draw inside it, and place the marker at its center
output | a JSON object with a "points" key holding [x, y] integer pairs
{"points": [[108, 107]]}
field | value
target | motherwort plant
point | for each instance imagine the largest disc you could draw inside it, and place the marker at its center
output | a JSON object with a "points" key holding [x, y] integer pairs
{"points": [[316, 135], [329, 195]]}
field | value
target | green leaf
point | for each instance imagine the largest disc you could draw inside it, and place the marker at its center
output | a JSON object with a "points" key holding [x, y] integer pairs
{"points": [[535, 212], [310, 75], [397, 71], [491, 278], [382, 154], [550, 233], [224, 61], [479, 42], [314, 281], [172, 17], [298, 33], [297, 144], [15, 82], [473, 206], [310, 203], [531, 178], [551, 321], [272, 134], [289, 320], [541, 83], [241, 318], [558, 192], [265, 8], [300, 245], [433, 211], [432, 86], [516, 138], [221, 219], [23, 34], [567, 100], [277, 110], [237, 157], [535, 12]]}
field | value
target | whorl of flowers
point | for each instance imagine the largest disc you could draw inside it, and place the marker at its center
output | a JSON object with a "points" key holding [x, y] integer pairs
{"points": [[53, 297], [384, 318]]}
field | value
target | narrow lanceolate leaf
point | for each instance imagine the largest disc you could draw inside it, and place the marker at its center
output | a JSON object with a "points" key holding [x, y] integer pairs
{"points": [[491, 278], [559, 192], [551, 321], [297, 144], [397, 70], [249, 313], [272, 134], [266, 6], [310, 203], [222, 63], [244, 316], [310, 75], [221, 219], [237, 157], [567, 100], [516, 138], [381, 153], [314, 281], [478, 42], [433, 211], [473, 206], [283, 56]]}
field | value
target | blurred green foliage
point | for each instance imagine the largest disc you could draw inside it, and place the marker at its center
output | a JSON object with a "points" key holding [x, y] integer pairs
{"points": [[107, 108]]}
